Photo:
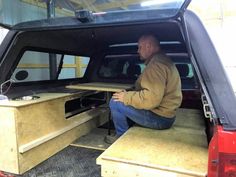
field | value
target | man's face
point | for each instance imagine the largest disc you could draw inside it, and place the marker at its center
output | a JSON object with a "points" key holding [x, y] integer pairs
{"points": [[143, 50]]}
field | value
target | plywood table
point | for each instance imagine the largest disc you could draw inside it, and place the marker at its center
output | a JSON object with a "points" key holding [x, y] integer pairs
{"points": [[101, 86]]}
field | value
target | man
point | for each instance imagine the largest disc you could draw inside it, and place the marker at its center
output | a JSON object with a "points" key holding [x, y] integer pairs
{"points": [[157, 93]]}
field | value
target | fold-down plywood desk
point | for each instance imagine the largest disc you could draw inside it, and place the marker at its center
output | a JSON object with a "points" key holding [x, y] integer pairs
{"points": [[101, 86]]}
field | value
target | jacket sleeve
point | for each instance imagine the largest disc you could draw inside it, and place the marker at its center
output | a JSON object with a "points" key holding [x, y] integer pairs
{"points": [[152, 84]]}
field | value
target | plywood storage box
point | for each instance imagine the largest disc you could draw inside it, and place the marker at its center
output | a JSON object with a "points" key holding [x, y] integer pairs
{"points": [[33, 130], [179, 152]]}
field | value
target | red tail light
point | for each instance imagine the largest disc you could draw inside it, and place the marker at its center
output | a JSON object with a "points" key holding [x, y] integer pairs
{"points": [[227, 165]]}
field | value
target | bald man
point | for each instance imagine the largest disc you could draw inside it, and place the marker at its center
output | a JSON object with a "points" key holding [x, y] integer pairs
{"points": [[157, 93]]}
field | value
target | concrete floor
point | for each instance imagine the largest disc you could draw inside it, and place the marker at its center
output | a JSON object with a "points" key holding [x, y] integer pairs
{"points": [[70, 162]]}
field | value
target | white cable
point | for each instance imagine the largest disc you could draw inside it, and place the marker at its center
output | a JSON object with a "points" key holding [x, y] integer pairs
{"points": [[1, 86]]}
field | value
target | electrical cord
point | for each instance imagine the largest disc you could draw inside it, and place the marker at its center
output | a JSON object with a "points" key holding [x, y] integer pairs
{"points": [[3, 84]]}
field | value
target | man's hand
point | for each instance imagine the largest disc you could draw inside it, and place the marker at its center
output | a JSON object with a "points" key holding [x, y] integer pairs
{"points": [[119, 96]]}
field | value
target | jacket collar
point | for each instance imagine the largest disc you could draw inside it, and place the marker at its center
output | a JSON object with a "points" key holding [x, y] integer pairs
{"points": [[151, 57]]}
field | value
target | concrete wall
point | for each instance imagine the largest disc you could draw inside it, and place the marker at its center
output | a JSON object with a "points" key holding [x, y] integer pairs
{"points": [[3, 33]]}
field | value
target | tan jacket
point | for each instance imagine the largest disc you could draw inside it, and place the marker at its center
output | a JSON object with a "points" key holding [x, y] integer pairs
{"points": [[158, 88]]}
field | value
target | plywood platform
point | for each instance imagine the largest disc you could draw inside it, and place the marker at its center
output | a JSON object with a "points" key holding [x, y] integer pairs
{"points": [[179, 151]]}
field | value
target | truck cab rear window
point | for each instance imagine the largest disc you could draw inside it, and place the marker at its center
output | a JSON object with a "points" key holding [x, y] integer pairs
{"points": [[121, 67]]}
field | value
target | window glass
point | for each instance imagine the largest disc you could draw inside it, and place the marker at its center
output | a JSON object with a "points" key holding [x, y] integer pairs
{"points": [[190, 74], [129, 67], [37, 66], [121, 67], [185, 70], [16, 11]]}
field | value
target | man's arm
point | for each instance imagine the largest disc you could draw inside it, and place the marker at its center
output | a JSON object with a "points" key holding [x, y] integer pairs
{"points": [[152, 86]]}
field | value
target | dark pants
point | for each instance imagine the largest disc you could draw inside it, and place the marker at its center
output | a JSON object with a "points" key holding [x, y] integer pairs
{"points": [[122, 113]]}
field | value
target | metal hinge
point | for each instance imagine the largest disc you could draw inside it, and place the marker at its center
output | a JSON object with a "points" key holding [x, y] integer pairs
{"points": [[206, 108]]}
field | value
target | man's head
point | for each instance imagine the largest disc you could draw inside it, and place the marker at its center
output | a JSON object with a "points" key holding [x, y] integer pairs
{"points": [[147, 46]]}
